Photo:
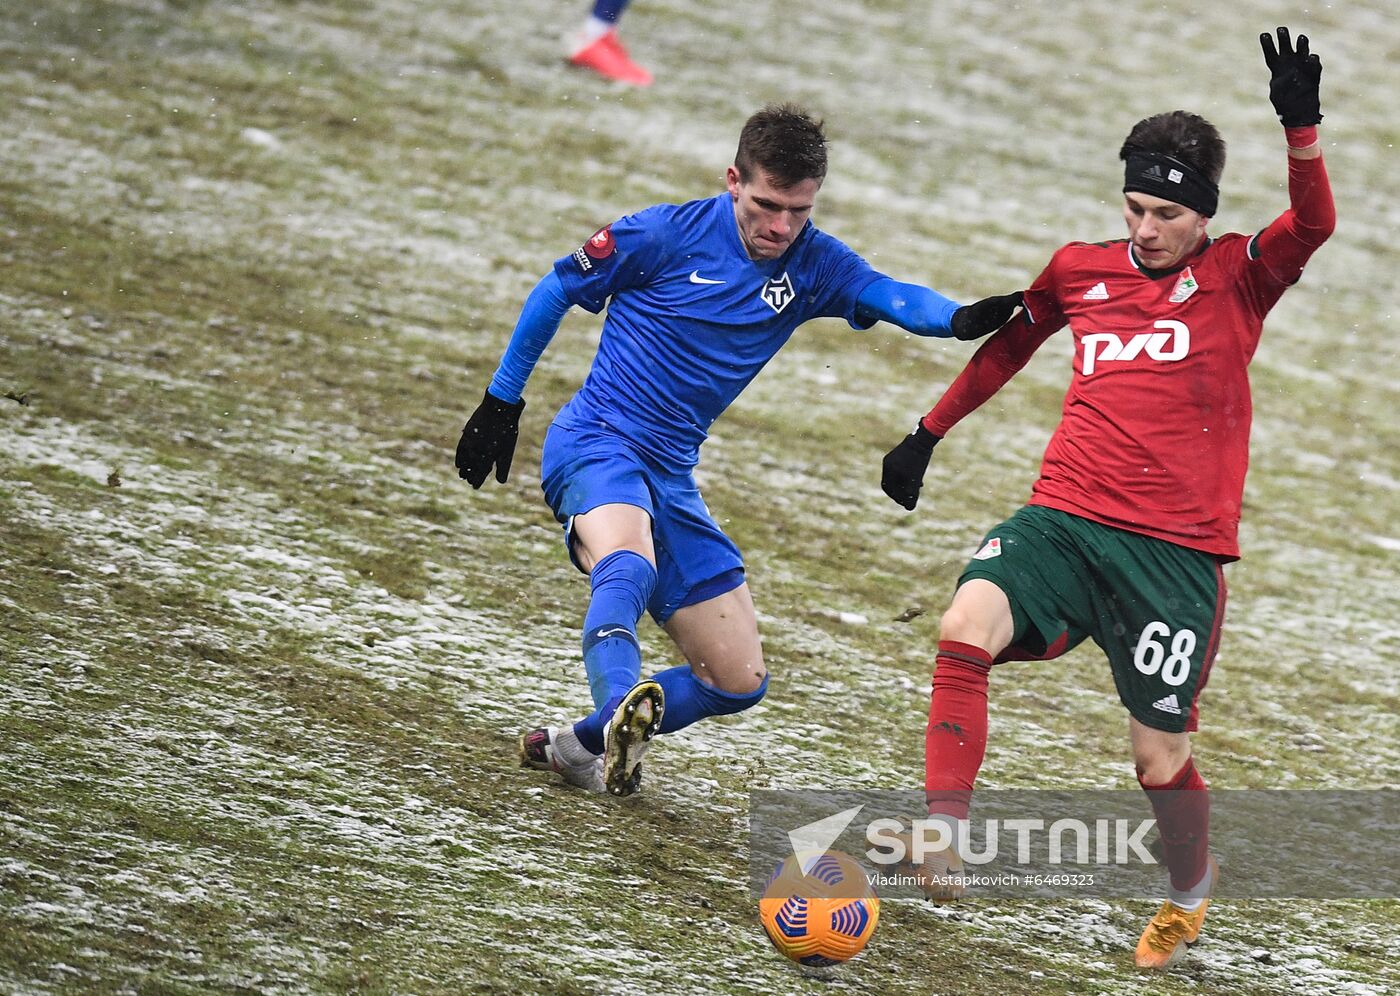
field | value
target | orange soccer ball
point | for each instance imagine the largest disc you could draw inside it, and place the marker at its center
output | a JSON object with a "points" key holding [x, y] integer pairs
{"points": [[819, 910]]}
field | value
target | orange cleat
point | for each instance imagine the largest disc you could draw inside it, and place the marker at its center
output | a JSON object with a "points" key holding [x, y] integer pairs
{"points": [[1173, 930], [607, 57]]}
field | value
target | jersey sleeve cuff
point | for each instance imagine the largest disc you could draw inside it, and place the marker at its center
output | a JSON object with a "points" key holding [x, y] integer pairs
{"points": [[1301, 136], [574, 288]]}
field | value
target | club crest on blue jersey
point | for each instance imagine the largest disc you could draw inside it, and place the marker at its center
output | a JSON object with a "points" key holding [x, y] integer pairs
{"points": [[778, 293], [600, 246]]}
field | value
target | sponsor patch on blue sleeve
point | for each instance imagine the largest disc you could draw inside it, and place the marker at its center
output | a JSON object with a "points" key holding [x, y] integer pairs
{"points": [[600, 247]]}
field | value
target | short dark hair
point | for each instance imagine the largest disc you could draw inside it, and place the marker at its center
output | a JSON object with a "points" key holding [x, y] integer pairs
{"points": [[786, 143], [1181, 135]]}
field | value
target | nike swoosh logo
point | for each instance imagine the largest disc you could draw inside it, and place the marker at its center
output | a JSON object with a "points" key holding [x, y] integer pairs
{"points": [[695, 278], [603, 633]]}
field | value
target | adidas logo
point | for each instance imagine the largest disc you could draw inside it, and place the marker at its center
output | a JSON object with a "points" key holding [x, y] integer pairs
{"points": [[1154, 171], [1098, 292], [1168, 704]]}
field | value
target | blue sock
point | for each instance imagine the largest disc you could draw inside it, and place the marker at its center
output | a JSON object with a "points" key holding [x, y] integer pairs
{"points": [[622, 583], [609, 10], [689, 699]]}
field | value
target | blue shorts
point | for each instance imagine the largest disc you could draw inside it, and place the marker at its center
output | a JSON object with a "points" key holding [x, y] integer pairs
{"points": [[583, 468]]}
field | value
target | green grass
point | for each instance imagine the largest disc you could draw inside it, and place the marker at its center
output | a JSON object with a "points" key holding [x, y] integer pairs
{"points": [[263, 657]]}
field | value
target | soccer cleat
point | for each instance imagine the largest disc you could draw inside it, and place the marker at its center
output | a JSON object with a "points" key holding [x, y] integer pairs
{"points": [[939, 874], [607, 57], [634, 722], [538, 751], [1173, 930]]}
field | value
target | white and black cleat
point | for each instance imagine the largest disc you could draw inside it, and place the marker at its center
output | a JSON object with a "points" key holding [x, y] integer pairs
{"points": [[625, 739], [538, 750]]}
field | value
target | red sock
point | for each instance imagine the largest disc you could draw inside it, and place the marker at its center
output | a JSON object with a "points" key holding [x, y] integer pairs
{"points": [[1182, 808], [956, 738]]}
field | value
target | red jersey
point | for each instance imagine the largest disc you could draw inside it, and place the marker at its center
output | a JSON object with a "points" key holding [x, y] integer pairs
{"points": [[1154, 434]]}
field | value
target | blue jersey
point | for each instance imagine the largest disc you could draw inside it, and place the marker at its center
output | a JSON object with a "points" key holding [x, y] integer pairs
{"points": [[692, 319]]}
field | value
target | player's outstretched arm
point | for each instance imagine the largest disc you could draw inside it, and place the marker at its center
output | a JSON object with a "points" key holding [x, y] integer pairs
{"points": [[1295, 74], [488, 438], [996, 361], [923, 311], [973, 321]]}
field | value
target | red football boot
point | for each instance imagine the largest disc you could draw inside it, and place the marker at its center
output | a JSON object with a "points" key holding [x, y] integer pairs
{"points": [[607, 57]]}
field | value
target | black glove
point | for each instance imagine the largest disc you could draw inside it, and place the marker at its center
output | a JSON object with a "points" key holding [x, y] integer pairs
{"points": [[973, 321], [1294, 80], [902, 473], [489, 438]]}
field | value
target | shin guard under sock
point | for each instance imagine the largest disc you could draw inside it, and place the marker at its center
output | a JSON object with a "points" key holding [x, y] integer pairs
{"points": [[956, 738], [622, 582], [1182, 808]]}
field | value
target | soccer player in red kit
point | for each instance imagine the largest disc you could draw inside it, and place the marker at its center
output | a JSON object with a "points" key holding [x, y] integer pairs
{"points": [[1138, 501]]}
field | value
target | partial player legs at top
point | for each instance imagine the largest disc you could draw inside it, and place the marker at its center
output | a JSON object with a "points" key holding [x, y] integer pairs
{"points": [[596, 46], [609, 12]]}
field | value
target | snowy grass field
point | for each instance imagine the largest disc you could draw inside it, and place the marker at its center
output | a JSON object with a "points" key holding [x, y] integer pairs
{"points": [[263, 657]]}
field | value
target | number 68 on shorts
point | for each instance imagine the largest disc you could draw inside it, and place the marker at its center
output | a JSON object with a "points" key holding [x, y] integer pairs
{"points": [[1155, 607]]}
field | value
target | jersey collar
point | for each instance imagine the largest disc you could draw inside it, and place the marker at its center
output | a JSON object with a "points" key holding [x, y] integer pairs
{"points": [[1159, 274]]}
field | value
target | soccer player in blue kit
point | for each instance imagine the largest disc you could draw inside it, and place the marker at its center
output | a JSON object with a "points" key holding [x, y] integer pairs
{"points": [[699, 297]]}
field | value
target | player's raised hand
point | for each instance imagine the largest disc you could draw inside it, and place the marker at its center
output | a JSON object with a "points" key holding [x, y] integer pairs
{"points": [[1294, 77], [488, 440], [902, 473], [973, 321]]}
